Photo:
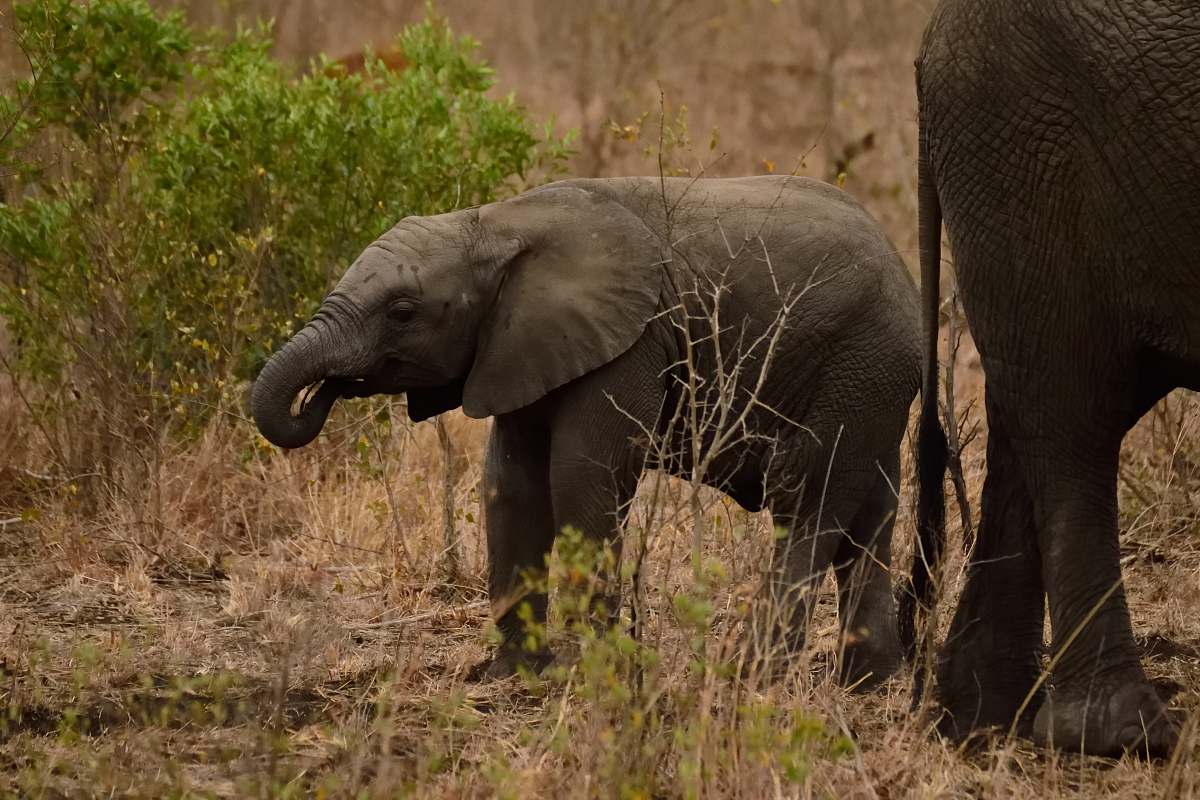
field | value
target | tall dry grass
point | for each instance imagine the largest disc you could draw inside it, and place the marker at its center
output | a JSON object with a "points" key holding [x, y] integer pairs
{"points": [[247, 622]]}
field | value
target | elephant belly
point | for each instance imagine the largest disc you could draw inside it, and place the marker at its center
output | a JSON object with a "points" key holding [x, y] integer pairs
{"points": [[734, 473], [741, 481]]}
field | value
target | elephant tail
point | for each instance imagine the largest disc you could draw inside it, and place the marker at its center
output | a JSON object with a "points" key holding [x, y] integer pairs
{"points": [[931, 440]]}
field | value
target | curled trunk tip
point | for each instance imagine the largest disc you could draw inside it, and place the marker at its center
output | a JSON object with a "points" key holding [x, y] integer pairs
{"points": [[288, 373]]}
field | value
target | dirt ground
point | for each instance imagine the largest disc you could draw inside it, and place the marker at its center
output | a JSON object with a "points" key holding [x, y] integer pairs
{"points": [[249, 623]]}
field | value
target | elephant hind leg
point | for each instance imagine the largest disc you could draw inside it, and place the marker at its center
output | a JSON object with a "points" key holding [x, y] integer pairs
{"points": [[1099, 700], [992, 658], [810, 530], [779, 621], [870, 650]]}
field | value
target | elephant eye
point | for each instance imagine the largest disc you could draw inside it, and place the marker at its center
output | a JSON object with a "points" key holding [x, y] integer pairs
{"points": [[401, 310]]}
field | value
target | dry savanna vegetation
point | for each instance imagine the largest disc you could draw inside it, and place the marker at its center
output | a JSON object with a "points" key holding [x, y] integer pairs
{"points": [[189, 612]]}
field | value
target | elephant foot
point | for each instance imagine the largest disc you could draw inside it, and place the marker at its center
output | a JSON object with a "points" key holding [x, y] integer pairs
{"points": [[988, 678], [1121, 717], [509, 661], [976, 696], [869, 661], [766, 657], [967, 713]]}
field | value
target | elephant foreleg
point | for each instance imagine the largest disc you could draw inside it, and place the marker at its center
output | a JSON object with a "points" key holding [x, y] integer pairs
{"points": [[519, 519], [592, 483], [597, 456]]}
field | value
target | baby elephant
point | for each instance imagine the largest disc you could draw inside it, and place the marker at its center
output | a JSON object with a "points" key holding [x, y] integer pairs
{"points": [[762, 330]]}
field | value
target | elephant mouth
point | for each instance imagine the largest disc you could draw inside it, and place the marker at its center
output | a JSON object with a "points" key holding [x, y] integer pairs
{"points": [[371, 385], [392, 376], [427, 393], [335, 387], [386, 380], [423, 401], [364, 387], [345, 388]]}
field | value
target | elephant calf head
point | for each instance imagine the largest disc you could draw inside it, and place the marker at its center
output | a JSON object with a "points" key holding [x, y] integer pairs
{"points": [[488, 308]]}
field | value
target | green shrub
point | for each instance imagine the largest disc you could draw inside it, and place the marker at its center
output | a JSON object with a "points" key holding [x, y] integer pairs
{"points": [[641, 719], [177, 203]]}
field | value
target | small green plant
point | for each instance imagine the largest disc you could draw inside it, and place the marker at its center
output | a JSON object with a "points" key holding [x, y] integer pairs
{"points": [[617, 709]]}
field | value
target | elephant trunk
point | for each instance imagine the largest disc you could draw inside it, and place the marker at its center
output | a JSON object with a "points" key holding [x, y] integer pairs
{"points": [[316, 353]]}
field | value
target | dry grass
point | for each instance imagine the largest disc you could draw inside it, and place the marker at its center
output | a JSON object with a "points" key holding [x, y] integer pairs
{"points": [[250, 623]]}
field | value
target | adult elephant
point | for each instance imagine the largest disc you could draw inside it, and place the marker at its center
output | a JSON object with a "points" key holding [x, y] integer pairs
{"points": [[1060, 142], [763, 328]]}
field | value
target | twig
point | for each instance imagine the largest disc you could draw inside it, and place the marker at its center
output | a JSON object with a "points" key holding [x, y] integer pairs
{"points": [[51, 442], [424, 615], [954, 445], [1131, 483], [451, 556]]}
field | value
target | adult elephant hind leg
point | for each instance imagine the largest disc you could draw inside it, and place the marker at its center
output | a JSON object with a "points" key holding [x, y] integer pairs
{"points": [[870, 650], [519, 520], [991, 661], [1100, 701]]}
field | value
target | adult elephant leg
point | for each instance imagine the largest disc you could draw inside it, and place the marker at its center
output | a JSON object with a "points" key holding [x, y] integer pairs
{"points": [[991, 659], [519, 519], [1099, 701], [870, 647]]}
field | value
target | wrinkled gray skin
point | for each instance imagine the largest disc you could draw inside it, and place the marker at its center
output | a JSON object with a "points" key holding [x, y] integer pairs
{"points": [[1061, 143], [565, 313]]}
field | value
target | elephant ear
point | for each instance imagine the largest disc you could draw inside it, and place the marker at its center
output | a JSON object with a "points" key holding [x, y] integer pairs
{"points": [[586, 278]]}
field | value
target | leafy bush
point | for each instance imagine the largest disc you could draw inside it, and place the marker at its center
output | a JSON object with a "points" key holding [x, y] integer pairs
{"points": [[178, 203]]}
